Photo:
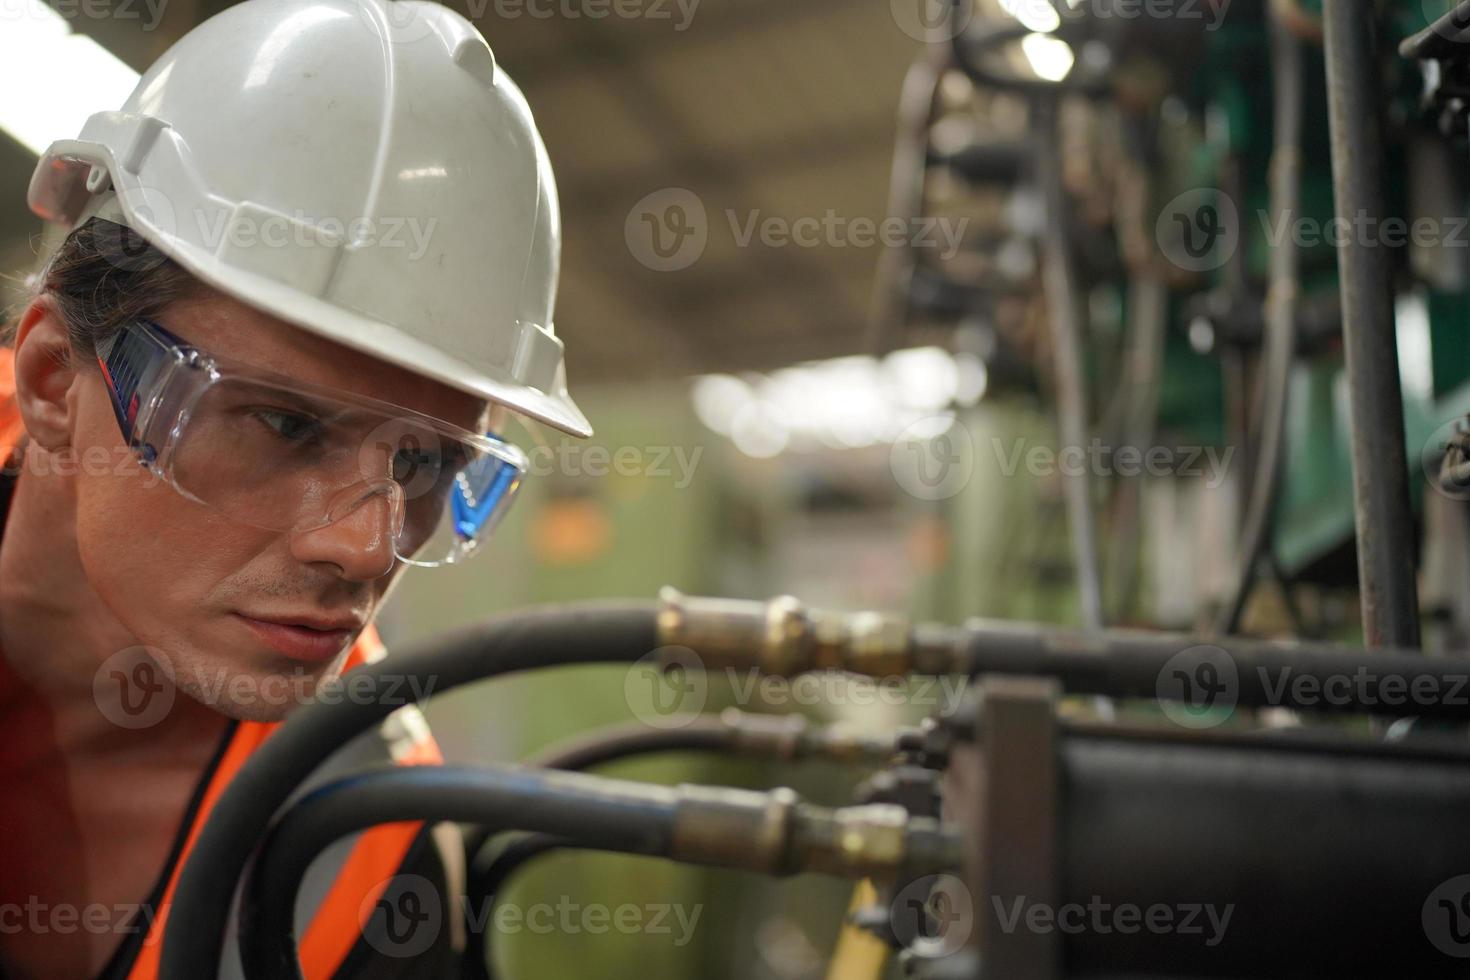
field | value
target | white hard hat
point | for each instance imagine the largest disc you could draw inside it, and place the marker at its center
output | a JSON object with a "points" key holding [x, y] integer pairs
{"points": [[360, 168]]}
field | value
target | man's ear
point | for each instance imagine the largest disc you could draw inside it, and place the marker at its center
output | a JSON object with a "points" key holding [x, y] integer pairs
{"points": [[45, 370]]}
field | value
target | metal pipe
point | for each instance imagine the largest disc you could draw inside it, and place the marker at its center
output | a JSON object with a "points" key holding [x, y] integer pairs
{"points": [[1380, 472], [1059, 281], [917, 106], [1281, 307]]}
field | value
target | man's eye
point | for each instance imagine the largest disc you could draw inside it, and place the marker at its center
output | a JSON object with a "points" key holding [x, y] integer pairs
{"points": [[288, 425]]}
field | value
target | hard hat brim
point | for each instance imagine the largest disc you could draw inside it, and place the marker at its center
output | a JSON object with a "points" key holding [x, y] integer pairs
{"points": [[58, 192]]}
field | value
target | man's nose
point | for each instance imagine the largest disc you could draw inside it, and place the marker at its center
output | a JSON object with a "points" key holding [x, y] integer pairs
{"points": [[359, 539]]}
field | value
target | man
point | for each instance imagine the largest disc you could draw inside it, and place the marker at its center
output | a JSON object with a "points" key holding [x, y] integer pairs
{"points": [[311, 270]]}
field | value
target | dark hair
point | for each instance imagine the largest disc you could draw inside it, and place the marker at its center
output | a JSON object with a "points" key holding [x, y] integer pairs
{"points": [[103, 276]]}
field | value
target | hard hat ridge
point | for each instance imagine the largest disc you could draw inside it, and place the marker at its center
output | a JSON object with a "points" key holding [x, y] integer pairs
{"points": [[360, 168]]}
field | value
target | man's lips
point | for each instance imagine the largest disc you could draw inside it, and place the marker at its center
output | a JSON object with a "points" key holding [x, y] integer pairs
{"points": [[296, 639]]}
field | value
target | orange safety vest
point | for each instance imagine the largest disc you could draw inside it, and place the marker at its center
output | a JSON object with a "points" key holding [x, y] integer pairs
{"points": [[359, 872]]}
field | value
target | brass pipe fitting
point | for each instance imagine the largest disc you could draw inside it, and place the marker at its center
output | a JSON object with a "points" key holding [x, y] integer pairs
{"points": [[783, 637], [777, 834]]}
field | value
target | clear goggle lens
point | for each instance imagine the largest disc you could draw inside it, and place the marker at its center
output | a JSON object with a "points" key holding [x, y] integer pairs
{"points": [[277, 458]]}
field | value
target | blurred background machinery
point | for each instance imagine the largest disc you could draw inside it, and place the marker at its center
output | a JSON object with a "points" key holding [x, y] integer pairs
{"points": [[1106, 313]]}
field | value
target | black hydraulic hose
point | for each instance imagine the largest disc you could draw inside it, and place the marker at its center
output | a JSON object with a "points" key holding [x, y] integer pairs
{"points": [[488, 877], [582, 633], [605, 814], [700, 733], [1281, 315], [1249, 673], [697, 734]]}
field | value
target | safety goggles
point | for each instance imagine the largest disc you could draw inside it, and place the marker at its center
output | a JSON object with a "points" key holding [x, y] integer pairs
{"points": [[285, 456]]}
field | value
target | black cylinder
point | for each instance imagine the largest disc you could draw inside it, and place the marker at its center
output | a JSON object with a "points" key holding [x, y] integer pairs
{"points": [[1315, 864]]}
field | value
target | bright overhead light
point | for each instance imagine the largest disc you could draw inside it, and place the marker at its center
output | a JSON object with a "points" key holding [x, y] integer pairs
{"points": [[1036, 15], [1050, 58], [841, 403], [55, 79]]}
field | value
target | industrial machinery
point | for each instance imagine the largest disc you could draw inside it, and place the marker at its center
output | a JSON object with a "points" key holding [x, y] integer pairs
{"points": [[1008, 842], [1241, 225]]}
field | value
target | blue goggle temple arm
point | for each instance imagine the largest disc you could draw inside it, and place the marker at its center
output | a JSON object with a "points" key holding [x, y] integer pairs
{"points": [[481, 494], [132, 360]]}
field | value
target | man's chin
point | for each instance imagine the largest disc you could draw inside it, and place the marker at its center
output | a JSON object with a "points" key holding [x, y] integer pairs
{"points": [[253, 696]]}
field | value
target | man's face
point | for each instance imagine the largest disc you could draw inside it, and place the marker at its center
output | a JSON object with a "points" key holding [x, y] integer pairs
{"points": [[215, 595]]}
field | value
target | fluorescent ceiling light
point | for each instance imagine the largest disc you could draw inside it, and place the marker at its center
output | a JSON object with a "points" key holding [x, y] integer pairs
{"points": [[1037, 15], [1050, 58], [53, 79]]}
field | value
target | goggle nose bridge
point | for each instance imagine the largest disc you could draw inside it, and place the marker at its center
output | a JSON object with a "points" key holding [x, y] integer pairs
{"points": [[345, 502]]}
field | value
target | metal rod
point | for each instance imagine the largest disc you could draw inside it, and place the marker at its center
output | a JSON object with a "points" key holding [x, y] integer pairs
{"points": [[1380, 472], [1059, 281], [1281, 307]]}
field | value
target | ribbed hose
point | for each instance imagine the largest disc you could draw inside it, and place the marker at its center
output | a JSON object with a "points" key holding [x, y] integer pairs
{"points": [[605, 814], [550, 636]]}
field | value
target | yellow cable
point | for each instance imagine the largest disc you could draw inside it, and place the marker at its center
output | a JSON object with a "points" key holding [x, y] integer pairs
{"points": [[860, 955]]}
